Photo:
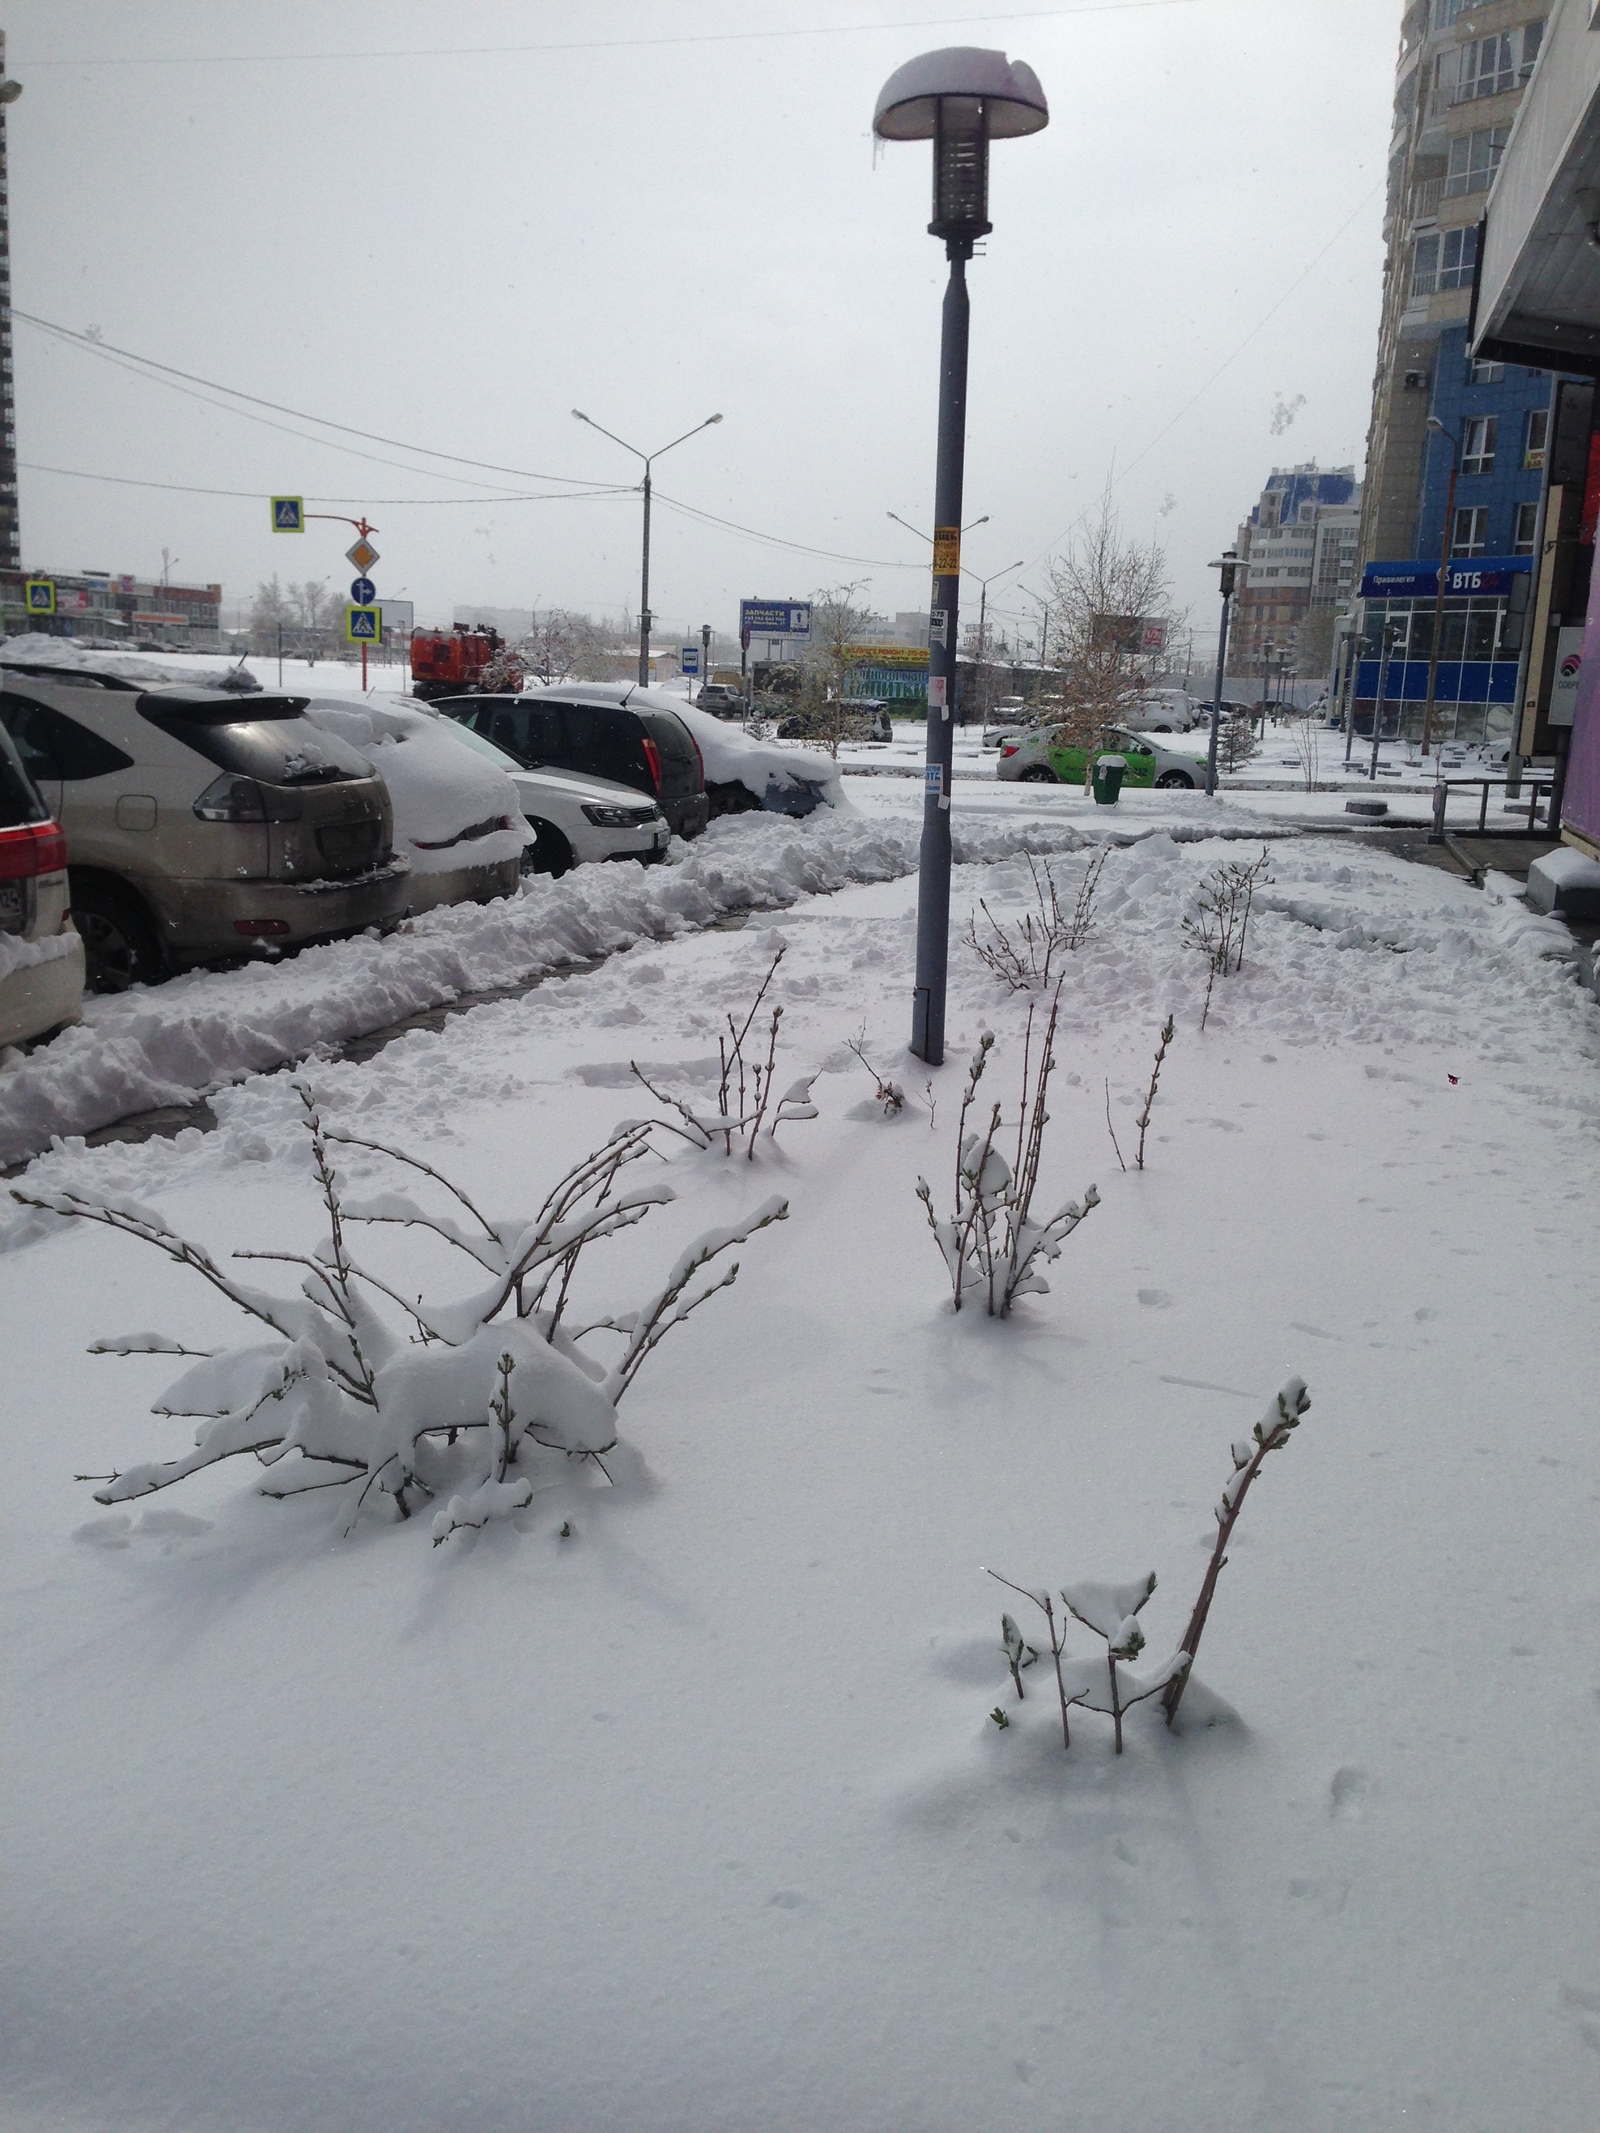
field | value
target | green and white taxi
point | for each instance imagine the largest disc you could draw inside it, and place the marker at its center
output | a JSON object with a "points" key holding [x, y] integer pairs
{"points": [[1049, 757]]}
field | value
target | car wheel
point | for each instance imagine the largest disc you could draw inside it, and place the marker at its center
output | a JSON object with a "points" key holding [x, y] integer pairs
{"points": [[1038, 774], [552, 854], [119, 946], [732, 799], [1176, 778]]}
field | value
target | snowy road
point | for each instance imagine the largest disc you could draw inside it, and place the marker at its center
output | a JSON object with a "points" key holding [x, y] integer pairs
{"points": [[695, 1821]]}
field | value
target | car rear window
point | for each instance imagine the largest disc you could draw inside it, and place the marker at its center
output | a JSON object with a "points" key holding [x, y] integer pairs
{"points": [[18, 800], [53, 746], [604, 742], [680, 758], [261, 737]]}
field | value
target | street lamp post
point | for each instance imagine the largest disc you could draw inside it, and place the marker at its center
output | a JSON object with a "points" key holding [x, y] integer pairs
{"points": [[644, 573], [1444, 571], [1391, 632], [983, 637], [960, 99], [1228, 564]]}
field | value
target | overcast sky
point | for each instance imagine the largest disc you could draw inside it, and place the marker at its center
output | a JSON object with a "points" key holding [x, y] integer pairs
{"points": [[389, 216]]}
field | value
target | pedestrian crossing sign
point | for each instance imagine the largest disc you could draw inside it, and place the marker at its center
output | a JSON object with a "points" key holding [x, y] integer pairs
{"points": [[40, 597], [288, 514], [363, 625]]}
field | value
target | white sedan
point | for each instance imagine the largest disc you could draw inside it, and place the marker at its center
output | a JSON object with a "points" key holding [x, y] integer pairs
{"points": [[573, 817]]}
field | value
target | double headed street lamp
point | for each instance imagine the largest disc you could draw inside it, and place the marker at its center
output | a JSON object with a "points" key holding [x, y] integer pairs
{"points": [[1444, 571], [983, 598], [960, 99], [644, 574]]}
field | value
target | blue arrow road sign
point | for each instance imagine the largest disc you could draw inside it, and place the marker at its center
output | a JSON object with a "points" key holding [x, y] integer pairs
{"points": [[363, 592]]}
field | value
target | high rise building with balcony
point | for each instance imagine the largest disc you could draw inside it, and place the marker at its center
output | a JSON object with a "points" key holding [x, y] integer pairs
{"points": [[1463, 68]]}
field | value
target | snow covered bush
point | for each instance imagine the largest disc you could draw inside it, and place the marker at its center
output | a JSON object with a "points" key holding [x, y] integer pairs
{"points": [[1109, 1682], [356, 1386], [744, 1091], [990, 1240], [1221, 918], [1023, 955]]}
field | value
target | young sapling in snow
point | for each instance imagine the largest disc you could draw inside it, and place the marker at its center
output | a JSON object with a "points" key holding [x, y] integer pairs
{"points": [[342, 1394], [1018, 1654], [1025, 955], [1111, 1686], [888, 1093], [1111, 1129], [991, 1239], [1270, 1434], [1167, 1033], [744, 1092], [1217, 926]]}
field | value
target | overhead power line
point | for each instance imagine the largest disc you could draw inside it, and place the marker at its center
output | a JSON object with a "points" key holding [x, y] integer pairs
{"points": [[123, 357], [614, 44], [184, 488]]}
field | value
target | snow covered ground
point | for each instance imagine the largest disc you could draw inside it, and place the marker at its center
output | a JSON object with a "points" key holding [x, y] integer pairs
{"points": [[694, 1820]]}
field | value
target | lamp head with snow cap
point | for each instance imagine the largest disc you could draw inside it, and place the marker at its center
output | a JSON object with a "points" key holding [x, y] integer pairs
{"points": [[961, 99]]}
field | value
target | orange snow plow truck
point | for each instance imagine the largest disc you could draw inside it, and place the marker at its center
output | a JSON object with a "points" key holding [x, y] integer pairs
{"points": [[464, 661]]}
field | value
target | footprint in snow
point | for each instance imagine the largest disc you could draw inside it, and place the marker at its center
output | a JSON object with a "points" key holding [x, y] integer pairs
{"points": [[1157, 1299], [164, 1527], [1349, 1792], [1318, 1333]]}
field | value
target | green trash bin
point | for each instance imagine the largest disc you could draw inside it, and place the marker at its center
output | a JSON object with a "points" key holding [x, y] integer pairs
{"points": [[1109, 772]]}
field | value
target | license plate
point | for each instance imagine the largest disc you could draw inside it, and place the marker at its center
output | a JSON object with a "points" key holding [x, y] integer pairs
{"points": [[13, 911]]}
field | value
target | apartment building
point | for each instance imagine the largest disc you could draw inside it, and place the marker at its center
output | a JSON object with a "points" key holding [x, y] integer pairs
{"points": [[1463, 69], [1298, 552]]}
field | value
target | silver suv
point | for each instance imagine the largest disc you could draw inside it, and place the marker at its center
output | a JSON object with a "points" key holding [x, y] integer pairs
{"points": [[202, 824]]}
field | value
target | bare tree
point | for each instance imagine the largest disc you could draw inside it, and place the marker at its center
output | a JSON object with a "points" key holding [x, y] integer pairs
{"points": [[838, 625], [1104, 590], [270, 611]]}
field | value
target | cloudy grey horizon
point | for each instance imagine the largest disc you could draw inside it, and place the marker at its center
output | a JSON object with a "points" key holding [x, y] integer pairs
{"points": [[447, 227]]}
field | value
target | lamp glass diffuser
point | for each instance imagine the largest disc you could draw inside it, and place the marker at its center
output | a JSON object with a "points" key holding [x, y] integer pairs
{"points": [[961, 169]]}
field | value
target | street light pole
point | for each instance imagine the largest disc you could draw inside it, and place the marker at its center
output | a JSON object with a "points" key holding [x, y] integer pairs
{"points": [[1227, 564], [959, 99], [649, 459], [983, 638], [1444, 571], [1391, 631]]}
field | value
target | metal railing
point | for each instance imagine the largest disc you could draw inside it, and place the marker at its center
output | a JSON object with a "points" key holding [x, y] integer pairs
{"points": [[1537, 795]]}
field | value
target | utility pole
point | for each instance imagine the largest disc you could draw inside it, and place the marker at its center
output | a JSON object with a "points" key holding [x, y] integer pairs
{"points": [[10, 526], [1228, 566], [1391, 631], [1444, 572]]}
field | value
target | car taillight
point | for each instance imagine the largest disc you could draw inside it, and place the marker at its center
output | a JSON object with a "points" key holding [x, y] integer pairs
{"points": [[653, 759], [700, 763], [232, 799], [31, 848], [1008, 748]]}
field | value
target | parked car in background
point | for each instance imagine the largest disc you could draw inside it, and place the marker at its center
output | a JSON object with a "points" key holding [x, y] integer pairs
{"points": [[1049, 758], [457, 819], [202, 824], [720, 700], [1164, 711], [619, 733], [574, 819], [41, 952]]}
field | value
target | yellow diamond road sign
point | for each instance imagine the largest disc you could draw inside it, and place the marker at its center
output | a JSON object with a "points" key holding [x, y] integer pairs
{"points": [[363, 555]]}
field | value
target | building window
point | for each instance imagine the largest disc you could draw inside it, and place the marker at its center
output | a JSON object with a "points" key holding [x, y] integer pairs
{"points": [[1480, 373], [1444, 259], [1474, 159], [1477, 444], [1524, 527], [1535, 436], [1470, 534], [1492, 65]]}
